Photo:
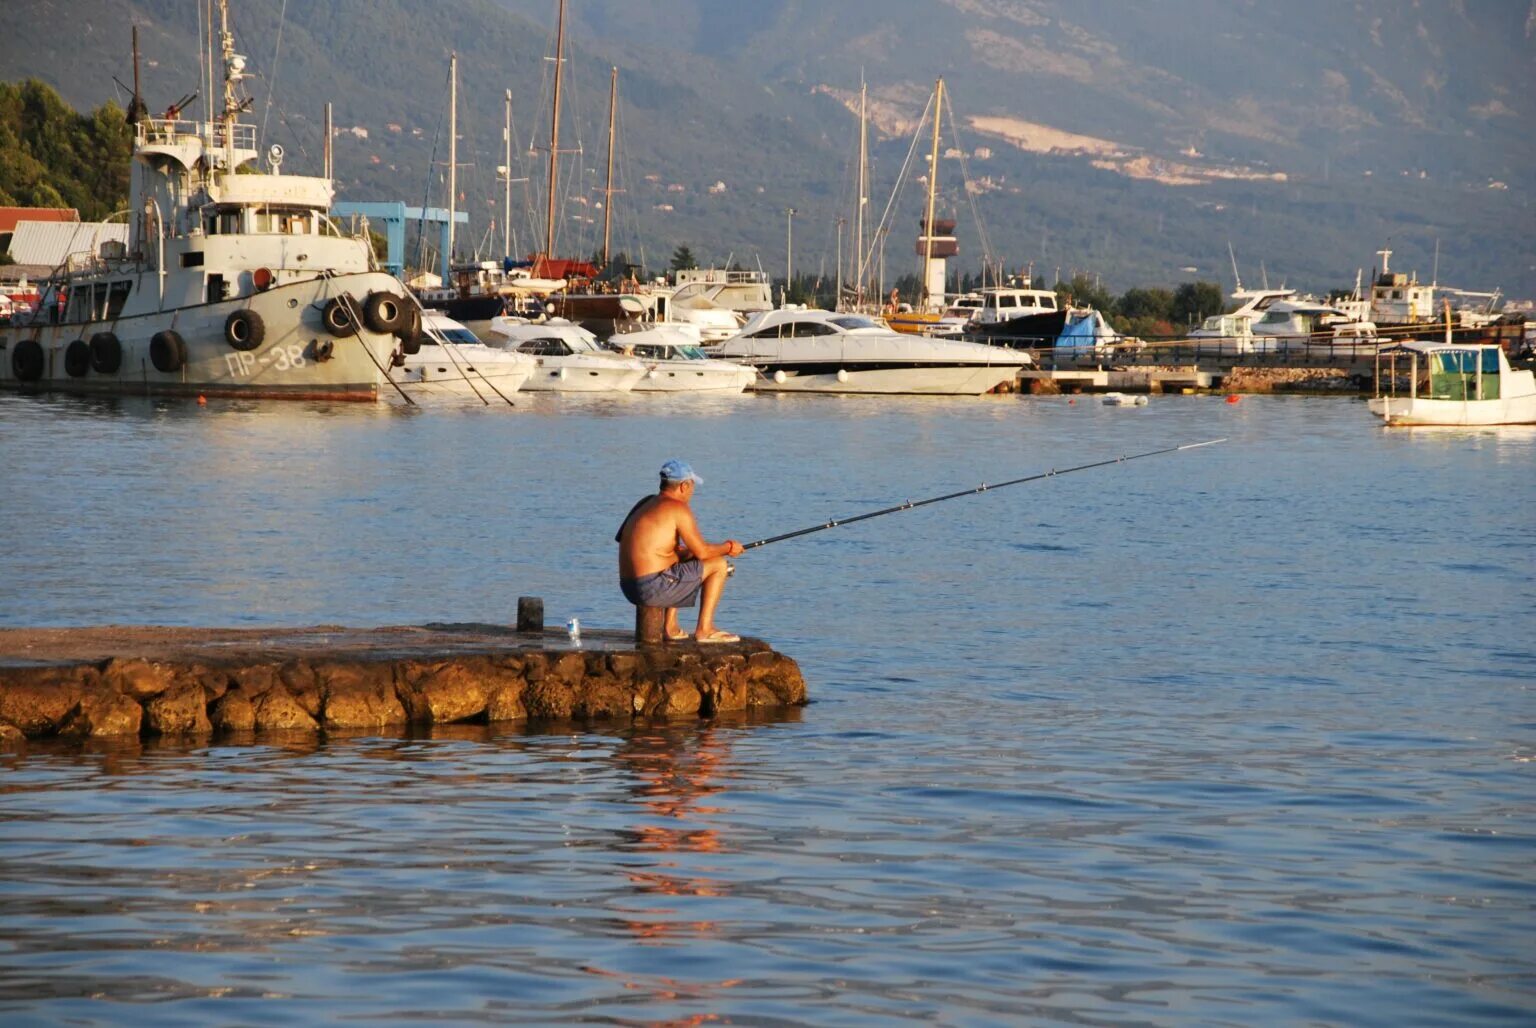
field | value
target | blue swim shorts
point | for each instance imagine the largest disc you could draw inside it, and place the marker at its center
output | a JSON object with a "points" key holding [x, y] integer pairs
{"points": [[677, 586]]}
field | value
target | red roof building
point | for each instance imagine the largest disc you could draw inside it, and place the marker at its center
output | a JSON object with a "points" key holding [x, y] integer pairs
{"points": [[9, 216]]}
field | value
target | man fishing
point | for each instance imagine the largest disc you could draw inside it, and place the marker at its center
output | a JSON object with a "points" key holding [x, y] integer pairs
{"points": [[665, 562]]}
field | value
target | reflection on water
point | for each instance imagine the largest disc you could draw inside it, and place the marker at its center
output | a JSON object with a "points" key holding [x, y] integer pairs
{"points": [[1241, 736]]}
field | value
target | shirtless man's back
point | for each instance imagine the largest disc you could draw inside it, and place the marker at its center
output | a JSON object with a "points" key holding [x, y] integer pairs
{"points": [[665, 562]]}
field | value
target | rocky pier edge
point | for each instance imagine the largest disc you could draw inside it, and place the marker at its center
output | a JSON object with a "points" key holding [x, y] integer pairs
{"points": [[151, 681]]}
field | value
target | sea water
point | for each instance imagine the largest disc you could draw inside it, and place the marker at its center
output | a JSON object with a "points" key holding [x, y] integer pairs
{"points": [[1237, 735]]}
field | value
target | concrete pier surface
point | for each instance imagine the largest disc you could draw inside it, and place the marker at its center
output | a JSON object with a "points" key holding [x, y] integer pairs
{"points": [[144, 680]]}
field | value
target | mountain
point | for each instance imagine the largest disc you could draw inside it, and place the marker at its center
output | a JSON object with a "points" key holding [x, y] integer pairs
{"points": [[1131, 141]]}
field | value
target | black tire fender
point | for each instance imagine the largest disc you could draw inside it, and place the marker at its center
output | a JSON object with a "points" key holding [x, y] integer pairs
{"points": [[167, 351], [244, 330], [77, 358], [384, 312], [340, 315], [410, 331], [106, 353], [410, 326], [28, 360]]}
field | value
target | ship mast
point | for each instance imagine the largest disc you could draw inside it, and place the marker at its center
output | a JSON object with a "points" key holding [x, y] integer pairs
{"points": [[858, 214], [234, 68], [613, 99], [554, 136], [453, 158], [506, 203], [933, 182]]}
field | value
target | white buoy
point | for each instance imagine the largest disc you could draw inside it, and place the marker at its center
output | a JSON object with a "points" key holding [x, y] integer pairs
{"points": [[842, 374], [780, 377]]}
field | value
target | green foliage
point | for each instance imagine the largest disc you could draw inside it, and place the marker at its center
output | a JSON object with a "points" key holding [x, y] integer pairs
{"points": [[52, 157], [1083, 291], [1193, 302], [683, 259], [1148, 304]]}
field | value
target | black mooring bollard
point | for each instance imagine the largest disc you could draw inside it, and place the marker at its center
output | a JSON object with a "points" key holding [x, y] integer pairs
{"points": [[650, 625], [530, 614]]}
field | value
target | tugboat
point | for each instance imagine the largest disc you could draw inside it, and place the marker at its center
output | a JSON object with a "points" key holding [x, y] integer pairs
{"points": [[230, 284]]}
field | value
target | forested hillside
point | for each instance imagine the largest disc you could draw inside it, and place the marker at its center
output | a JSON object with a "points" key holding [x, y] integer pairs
{"points": [[1306, 136], [52, 157]]}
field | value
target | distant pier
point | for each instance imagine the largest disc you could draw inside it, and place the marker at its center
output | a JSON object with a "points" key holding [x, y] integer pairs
{"points": [[127, 681]]}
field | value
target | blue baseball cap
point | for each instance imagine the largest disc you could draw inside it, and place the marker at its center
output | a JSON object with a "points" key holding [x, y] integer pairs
{"points": [[678, 471]]}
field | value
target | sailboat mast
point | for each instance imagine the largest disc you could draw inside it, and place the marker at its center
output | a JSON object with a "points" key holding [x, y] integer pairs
{"points": [[933, 182], [858, 218], [554, 136], [506, 203], [453, 157], [613, 99]]}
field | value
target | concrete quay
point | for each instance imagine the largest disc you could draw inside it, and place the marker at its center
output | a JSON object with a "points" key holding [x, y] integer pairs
{"points": [[126, 680]]}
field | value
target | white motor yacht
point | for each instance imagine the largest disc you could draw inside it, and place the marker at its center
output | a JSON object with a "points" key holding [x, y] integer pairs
{"points": [[797, 350], [1304, 326], [452, 362], [567, 358], [676, 362]]}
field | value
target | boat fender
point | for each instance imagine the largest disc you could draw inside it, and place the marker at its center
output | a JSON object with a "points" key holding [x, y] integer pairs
{"points": [[780, 377], [244, 330], [262, 278], [384, 312], [324, 350], [842, 374], [27, 360], [167, 351], [340, 315], [411, 345], [77, 358], [410, 324], [106, 353]]}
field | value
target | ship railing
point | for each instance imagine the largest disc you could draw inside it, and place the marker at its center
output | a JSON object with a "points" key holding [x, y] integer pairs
{"points": [[153, 131]]}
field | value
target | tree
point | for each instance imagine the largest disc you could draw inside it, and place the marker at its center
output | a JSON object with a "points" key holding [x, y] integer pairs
{"points": [[1083, 291], [683, 259], [1193, 302], [1155, 304]]}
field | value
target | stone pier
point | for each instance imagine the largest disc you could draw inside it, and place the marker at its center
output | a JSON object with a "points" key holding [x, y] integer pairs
{"points": [[116, 681]]}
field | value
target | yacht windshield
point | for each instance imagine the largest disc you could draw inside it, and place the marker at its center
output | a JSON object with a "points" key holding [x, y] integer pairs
{"points": [[852, 321]]}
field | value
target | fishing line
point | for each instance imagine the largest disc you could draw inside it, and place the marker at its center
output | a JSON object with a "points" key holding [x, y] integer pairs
{"points": [[984, 487]]}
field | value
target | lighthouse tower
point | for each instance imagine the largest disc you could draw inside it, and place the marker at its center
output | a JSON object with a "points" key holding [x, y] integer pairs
{"points": [[935, 250]]}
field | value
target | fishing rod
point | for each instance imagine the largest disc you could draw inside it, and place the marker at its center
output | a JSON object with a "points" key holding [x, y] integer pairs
{"points": [[984, 487]]}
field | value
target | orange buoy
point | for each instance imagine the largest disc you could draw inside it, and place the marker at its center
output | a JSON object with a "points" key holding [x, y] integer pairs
{"points": [[1071, 400], [1233, 397], [202, 401]]}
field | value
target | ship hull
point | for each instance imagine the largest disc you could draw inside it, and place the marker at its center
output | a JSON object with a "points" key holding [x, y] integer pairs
{"points": [[296, 359]]}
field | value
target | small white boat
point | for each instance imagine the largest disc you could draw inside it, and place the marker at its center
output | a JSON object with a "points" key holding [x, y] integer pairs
{"points": [[567, 358], [797, 350], [675, 362], [1453, 384], [1124, 400], [453, 362]]}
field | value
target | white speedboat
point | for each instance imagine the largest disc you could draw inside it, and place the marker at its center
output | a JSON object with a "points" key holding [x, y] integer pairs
{"points": [[233, 280], [826, 352], [567, 358], [450, 361], [1453, 384], [676, 363]]}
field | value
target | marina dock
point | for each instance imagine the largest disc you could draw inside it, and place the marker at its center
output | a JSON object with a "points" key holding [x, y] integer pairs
{"points": [[117, 681]]}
